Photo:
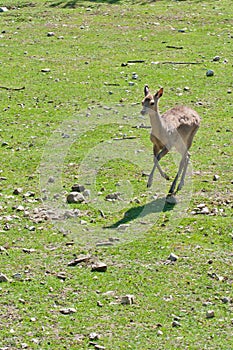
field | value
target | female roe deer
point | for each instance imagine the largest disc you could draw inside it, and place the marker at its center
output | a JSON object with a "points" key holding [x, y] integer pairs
{"points": [[176, 127]]}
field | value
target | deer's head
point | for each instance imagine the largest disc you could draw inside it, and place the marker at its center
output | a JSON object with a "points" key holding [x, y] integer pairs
{"points": [[150, 101]]}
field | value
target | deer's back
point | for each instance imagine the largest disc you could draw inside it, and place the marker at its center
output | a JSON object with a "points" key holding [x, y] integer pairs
{"points": [[180, 117]]}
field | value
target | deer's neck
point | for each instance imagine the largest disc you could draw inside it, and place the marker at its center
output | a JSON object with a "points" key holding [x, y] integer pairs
{"points": [[156, 123]]}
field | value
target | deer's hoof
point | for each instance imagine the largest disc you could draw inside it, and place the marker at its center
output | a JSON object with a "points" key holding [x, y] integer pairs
{"points": [[171, 199]]}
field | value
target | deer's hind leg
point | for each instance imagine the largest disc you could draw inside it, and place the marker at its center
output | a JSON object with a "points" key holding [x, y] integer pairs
{"points": [[181, 171]]}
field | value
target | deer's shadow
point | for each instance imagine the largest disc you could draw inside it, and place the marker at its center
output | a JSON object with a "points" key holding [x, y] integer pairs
{"points": [[156, 206]]}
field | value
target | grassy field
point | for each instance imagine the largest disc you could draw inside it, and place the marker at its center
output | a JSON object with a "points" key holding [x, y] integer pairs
{"points": [[71, 85]]}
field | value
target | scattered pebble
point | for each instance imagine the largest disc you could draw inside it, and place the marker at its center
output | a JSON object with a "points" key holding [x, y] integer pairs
{"points": [[176, 324], [45, 70], [3, 278], [99, 267], [209, 73], [216, 58], [104, 244], [112, 197], [216, 177], [79, 260], [173, 257], [17, 191], [210, 314], [3, 9], [50, 34], [68, 311], [19, 208], [94, 336], [75, 197], [78, 188], [134, 76], [127, 299], [226, 300]]}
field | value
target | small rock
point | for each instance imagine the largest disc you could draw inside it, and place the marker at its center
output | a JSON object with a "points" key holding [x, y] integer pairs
{"points": [[17, 191], [176, 324], [79, 260], [104, 244], [127, 299], [51, 180], [3, 9], [99, 347], [17, 276], [216, 177], [83, 222], [205, 211], [61, 276], [226, 300], [75, 197], [173, 257], [131, 83], [3, 278], [209, 73], [210, 314], [50, 34], [216, 58], [45, 70], [94, 336], [159, 332], [78, 188], [99, 267], [68, 311], [19, 208], [134, 76], [112, 196]]}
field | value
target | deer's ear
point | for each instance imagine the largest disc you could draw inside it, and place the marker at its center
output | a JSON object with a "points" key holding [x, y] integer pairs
{"points": [[159, 93], [146, 90]]}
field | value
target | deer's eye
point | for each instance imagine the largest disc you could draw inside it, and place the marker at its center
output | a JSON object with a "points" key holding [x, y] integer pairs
{"points": [[152, 103]]}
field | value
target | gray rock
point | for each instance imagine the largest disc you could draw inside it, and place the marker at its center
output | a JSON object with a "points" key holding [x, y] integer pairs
{"points": [[3, 278], [94, 336], [78, 188], [112, 196], [3, 9], [209, 73], [173, 257], [210, 314], [17, 191], [216, 58], [75, 197], [216, 177], [68, 311], [127, 299], [99, 267]]}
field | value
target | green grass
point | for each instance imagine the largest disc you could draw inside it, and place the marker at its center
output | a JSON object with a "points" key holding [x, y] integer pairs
{"points": [[87, 59]]}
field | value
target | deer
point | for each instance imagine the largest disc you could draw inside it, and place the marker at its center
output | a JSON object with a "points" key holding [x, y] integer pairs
{"points": [[175, 128]]}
